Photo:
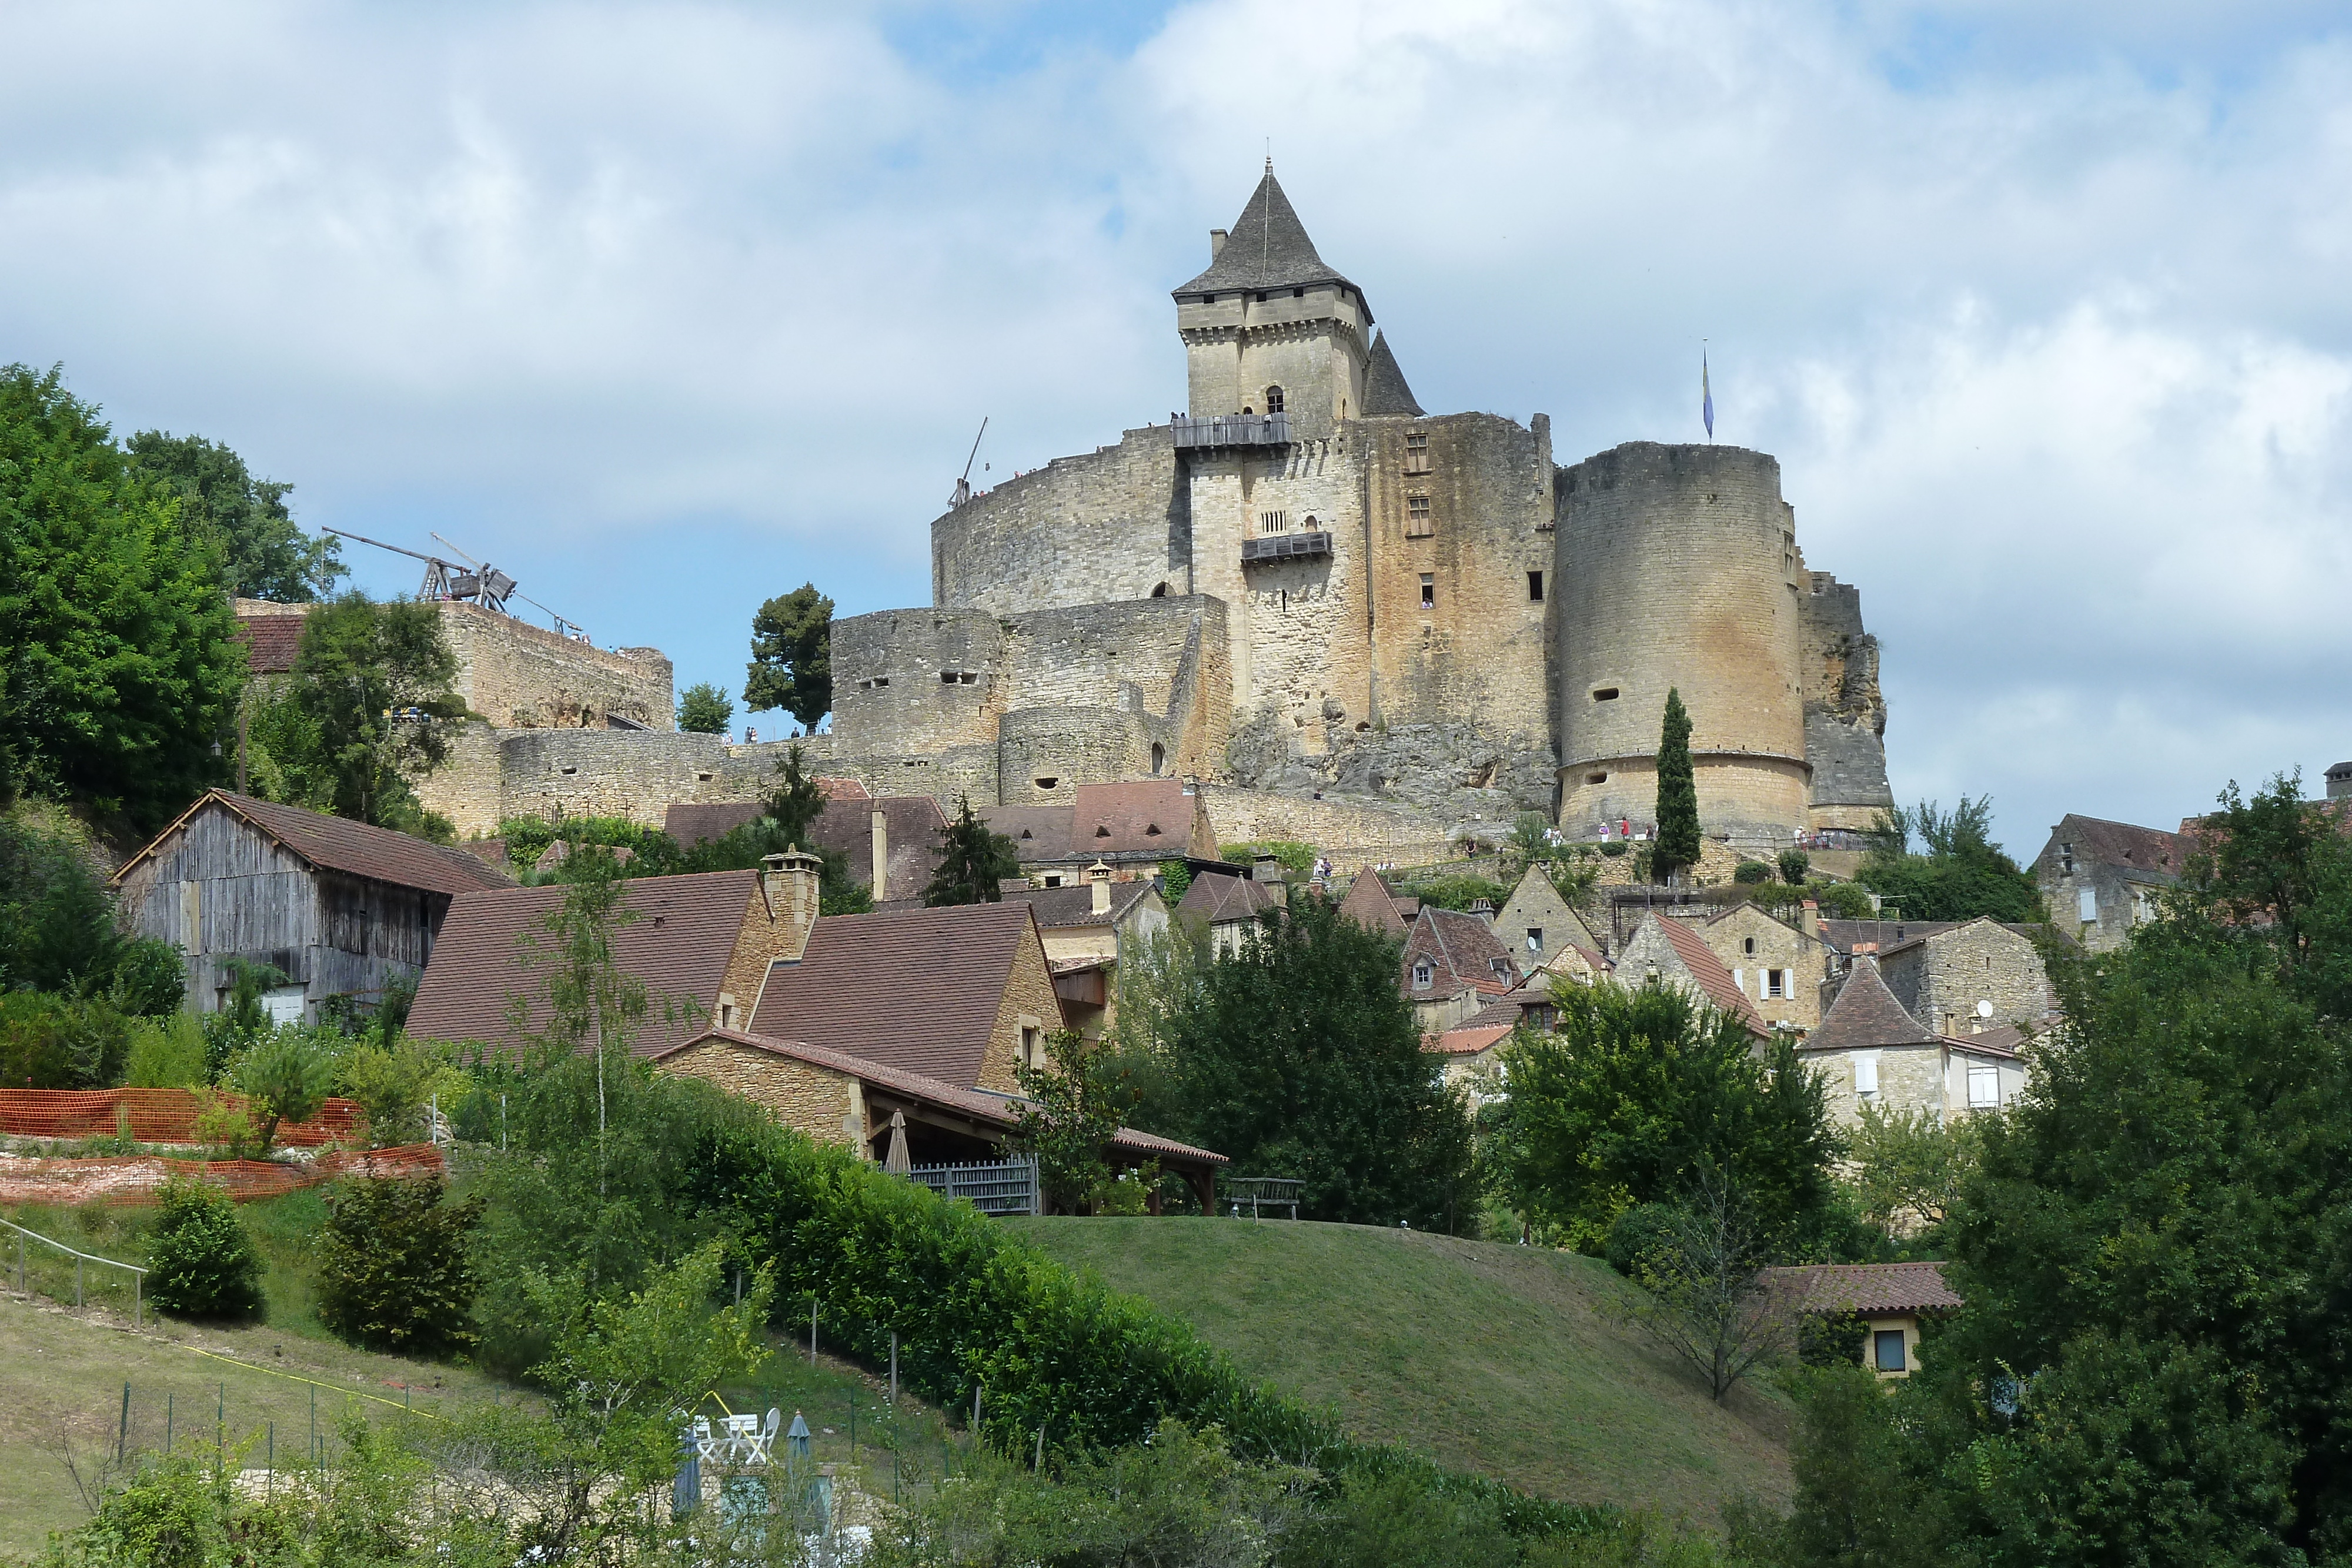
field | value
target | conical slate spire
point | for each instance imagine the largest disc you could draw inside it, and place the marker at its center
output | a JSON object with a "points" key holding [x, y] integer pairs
{"points": [[1384, 388], [1268, 248]]}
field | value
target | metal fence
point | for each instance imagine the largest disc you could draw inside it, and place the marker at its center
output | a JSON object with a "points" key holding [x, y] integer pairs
{"points": [[82, 1263], [1000, 1187]]}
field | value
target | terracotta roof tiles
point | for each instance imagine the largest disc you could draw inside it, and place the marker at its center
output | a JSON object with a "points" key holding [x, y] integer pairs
{"points": [[1707, 971], [1073, 904], [1222, 899]]}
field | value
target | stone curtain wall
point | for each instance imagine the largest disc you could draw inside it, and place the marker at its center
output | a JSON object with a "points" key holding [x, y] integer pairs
{"points": [[522, 676], [913, 681], [1353, 833], [1110, 524], [1845, 714], [1681, 571]]}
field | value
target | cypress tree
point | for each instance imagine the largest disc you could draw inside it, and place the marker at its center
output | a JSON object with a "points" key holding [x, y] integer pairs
{"points": [[972, 862], [1677, 842]]}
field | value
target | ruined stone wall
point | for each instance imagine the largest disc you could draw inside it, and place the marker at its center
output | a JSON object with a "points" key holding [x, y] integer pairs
{"points": [[1106, 525], [522, 676], [1680, 571], [1845, 714]]}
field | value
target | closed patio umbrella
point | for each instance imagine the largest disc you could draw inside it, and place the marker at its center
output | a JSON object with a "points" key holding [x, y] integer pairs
{"points": [[896, 1160]]}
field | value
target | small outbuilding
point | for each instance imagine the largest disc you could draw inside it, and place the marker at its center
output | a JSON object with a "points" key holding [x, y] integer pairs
{"points": [[1890, 1299]]}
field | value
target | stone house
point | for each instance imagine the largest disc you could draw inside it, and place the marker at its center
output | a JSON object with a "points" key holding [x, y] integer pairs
{"points": [[1132, 827], [1453, 966], [1370, 902], [1536, 924], [1229, 907], [1891, 1300], [839, 1099], [1976, 973], [1668, 949], [964, 994], [700, 943], [1873, 1051], [1467, 1052], [2099, 879], [340, 908], [1773, 963], [1086, 930]]}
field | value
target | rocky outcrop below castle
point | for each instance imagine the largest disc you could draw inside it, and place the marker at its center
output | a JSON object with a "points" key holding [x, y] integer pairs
{"points": [[1453, 770]]}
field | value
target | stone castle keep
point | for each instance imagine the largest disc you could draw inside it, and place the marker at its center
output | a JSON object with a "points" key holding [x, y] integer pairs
{"points": [[1305, 586]]}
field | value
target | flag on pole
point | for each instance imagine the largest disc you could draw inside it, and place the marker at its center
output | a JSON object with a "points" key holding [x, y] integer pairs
{"points": [[1706, 395]]}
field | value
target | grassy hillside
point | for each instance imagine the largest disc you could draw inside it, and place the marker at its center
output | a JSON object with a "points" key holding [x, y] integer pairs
{"points": [[1500, 1360]]}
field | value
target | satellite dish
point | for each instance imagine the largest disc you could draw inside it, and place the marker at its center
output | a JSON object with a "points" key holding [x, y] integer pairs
{"points": [[1984, 1009]]}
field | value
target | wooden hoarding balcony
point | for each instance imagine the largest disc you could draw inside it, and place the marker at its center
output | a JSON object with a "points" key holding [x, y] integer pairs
{"points": [[1233, 429], [1281, 547]]}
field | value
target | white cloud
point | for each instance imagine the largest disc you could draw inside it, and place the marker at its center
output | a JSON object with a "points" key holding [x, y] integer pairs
{"points": [[676, 305]]}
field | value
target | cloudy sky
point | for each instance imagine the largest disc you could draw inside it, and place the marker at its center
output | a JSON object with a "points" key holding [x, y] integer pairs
{"points": [[667, 309]]}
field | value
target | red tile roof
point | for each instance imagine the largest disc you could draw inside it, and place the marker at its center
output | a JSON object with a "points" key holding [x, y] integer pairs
{"points": [[1707, 971], [999, 1109], [1038, 832], [678, 944], [355, 849], [842, 788], [1865, 1015], [270, 642], [1868, 1288], [1464, 950], [1149, 816], [1073, 904], [916, 989], [1469, 1038], [1370, 902], [1222, 899]]}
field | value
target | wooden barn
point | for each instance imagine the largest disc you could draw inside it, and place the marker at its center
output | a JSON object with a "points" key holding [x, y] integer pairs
{"points": [[340, 908]]}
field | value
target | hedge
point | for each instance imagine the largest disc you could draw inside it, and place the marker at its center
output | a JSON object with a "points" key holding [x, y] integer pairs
{"points": [[975, 1306]]}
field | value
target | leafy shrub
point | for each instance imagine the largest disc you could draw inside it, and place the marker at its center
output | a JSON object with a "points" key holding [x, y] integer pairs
{"points": [[396, 1267], [1457, 892], [1175, 877], [1297, 859], [1841, 900], [1752, 871], [1640, 1231], [224, 1123], [287, 1073], [1614, 848], [59, 1042], [201, 1263], [166, 1052], [394, 1084], [1832, 1338], [1794, 864]]}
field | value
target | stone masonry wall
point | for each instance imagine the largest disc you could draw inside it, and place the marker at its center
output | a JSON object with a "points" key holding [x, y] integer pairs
{"points": [[806, 1098], [1105, 525], [1940, 981], [911, 681], [1028, 994], [1354, 834], [1845, 714], [520, 676]]}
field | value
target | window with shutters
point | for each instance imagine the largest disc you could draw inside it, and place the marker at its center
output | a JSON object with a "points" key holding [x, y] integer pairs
{"points": [[1417, 523], [1416, 452], [1865, 1076], [2087, 899], [1776, 983], [1984, 1085]]}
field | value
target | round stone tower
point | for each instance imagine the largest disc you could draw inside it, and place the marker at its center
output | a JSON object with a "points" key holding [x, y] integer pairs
{"points": [[1678, 567]]}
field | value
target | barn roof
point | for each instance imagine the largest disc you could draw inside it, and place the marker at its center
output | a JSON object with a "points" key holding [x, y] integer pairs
{"points": [[335, 843]]}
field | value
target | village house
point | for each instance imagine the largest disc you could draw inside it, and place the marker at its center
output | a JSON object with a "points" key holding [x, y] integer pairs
{"points": [[700, 943], [1087, 930], [1369, 902], [1890, 1299], [1535, 923], [843, 1099], [1777, 966], [1975, 974], [1229, 907], [963, 994], [2099, 879], [339, 908], [1668, 949], [1132, 827], [1453, 966], [1873, 1051]]}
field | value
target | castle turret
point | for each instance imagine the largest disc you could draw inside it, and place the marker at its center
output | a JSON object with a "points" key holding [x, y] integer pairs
{"points": [[1678, 568], [1271, 328]]}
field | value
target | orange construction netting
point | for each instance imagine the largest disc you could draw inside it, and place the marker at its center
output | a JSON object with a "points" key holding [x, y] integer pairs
{"points": [[157, 1116], [134, 1178]]}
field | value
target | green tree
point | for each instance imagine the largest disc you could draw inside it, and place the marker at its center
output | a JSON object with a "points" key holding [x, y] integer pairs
{"points": [[372, 706], [1295, 1055], [1795, 865], [1702, 1298], [117, 662], [797, 802], [1642, 1088], [58, 928], [1908, 1165], [791, 655], [975, 861], [1962, 875], [201, 1263], [1677, 844], [1075, 1104], [704, 709], [266, 555], [287, 1074], [396, 1266]]}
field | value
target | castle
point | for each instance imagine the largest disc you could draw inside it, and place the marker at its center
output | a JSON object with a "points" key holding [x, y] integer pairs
{"points": [[1352, 621]]}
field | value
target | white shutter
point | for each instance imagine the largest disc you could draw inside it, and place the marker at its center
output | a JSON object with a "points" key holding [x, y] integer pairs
{"points": [[2089, 898], [1984, 1085], [1865, 1075]]}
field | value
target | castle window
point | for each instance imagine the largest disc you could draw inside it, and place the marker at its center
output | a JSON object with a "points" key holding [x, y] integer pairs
{"points": [[1605, 694], [1428, 592], [1047, 783], [1208, 299], [1261, 296], [1416, 452], [1596, 778], [1274, 400], [1534, 588], [1160, 591], [1299, 294], [1159, 758], [1417, 523], [1274, 522], [1748, 946]]}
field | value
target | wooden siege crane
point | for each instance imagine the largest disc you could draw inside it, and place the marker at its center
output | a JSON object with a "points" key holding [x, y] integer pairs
{"points": [[473, 582]]}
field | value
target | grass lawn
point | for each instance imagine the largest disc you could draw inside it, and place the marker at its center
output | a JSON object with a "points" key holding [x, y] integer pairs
{"points": [[1496, 1359]]}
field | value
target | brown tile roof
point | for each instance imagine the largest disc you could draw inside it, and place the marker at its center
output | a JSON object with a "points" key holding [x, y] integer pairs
{"points": [[842, 788], [917, 989], [1866, 1014], [1038, 832], [678, 945], [1073, 905], [1149, 816], [2101, 842], [999, 1109], [844, 830], [1221, 899], [2005, 1041], [691, 824], [270, 642], [1707, 971], [1464, 949], [331, 843], [1868, 1288], [1370, 902]]}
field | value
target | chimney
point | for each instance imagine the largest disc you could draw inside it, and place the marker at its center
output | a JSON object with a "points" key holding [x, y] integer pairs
{"points": [[1216, 244], [1484, 909], [881, 855], [788, 887], [1264, 868], [1809, 918], [1098, 884]]}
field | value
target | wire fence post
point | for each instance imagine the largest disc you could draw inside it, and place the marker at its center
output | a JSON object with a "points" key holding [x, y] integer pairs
{"points": [[76, 1281], [122, 1428], [811, 1328], [894, 1369], [220, 1434], [269, 1476], [314, 1424], [168, 1397]]}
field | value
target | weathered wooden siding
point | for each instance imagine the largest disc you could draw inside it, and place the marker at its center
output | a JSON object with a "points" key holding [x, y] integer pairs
{"points": [[221, 890]]}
